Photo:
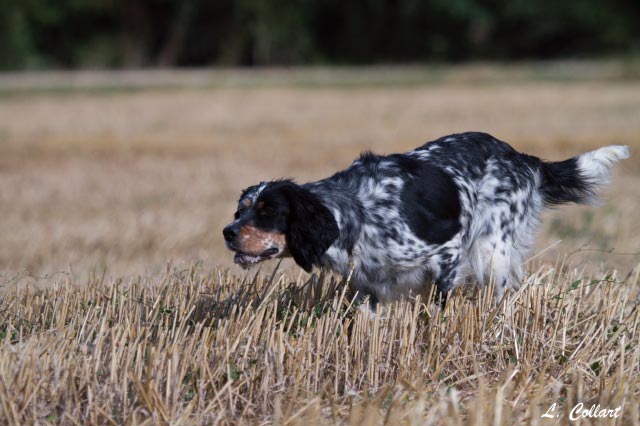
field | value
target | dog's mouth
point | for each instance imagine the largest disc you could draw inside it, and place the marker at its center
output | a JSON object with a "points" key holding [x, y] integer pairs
{"points": [[246, 259]]}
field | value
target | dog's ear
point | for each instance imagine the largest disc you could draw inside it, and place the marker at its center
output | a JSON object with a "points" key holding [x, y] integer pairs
{"points": [[312, 227]]}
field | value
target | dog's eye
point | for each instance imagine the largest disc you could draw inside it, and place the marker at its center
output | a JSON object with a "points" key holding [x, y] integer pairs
{"points": [[238, 213], [264, 210]]}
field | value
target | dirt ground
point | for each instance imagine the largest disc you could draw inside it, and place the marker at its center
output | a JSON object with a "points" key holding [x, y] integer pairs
{"points": [[126, 180]]}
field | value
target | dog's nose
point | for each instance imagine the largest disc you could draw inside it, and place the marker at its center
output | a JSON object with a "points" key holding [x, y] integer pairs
{"points": [[230, 233]]}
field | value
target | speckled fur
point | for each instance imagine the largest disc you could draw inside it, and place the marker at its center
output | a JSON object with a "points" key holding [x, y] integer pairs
{"points": [[500, 194]]}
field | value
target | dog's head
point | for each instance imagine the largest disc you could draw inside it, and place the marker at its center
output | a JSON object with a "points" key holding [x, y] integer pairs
{"points": [[276, 219]]}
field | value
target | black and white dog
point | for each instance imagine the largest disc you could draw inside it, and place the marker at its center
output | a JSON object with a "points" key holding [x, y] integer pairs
{"points": [[465, 205]]}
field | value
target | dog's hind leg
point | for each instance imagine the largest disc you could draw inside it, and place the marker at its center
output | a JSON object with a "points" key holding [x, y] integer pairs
{"points": [[492, 259], [500, 272]]}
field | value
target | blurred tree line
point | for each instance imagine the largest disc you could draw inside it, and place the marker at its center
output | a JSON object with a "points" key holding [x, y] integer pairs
{"points": [[135, 33]]}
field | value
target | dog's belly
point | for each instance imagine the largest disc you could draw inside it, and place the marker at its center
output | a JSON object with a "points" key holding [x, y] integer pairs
{"points": [[386, 285], [387, 274]]}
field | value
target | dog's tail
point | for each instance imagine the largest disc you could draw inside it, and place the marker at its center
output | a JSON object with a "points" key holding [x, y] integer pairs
{"points": [[578, 179]]}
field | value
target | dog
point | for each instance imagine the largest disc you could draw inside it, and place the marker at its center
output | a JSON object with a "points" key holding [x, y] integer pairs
{"points": [[461, 207]]}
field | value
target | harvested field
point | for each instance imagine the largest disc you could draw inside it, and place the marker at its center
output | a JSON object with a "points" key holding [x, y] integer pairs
{"points": [[119, 303], [125, 180], [200, 347]]}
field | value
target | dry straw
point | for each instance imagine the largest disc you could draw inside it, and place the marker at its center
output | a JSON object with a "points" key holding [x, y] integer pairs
{"points": [[203, 347]]}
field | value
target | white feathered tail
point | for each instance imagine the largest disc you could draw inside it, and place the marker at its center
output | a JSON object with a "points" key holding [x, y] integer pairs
{"points": [[579, 179]]}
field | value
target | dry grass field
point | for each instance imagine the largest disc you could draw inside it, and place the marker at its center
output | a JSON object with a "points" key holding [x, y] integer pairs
{"points": [[120, 305]]}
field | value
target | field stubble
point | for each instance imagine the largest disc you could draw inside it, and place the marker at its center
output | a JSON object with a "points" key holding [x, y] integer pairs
{"points": [[99, 187], [200, 347]]}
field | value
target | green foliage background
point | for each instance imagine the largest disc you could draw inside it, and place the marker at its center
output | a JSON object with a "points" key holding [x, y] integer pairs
{"points": [[133, 33]]}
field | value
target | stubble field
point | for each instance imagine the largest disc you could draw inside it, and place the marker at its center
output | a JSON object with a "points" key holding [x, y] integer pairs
{"points": [[119, 303]]}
